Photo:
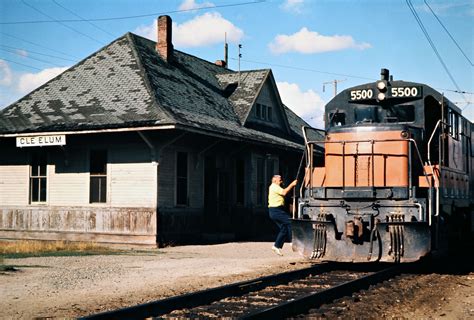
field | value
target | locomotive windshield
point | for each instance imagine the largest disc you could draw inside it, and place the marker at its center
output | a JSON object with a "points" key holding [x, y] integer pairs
{"points": [[372, 114]]}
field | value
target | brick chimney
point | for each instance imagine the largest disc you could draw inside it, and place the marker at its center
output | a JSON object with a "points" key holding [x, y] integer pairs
{"points": [[221, 63], [164, 46]]}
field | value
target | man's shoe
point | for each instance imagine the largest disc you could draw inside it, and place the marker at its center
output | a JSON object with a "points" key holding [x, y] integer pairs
{"points": [[277, 251]]}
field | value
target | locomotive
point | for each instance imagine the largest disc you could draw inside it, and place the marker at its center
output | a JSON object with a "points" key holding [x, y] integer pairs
{"points": [[396, 181]]}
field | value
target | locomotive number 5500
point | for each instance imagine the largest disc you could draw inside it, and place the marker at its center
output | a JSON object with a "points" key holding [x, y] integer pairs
{"points": [[404, 92]]}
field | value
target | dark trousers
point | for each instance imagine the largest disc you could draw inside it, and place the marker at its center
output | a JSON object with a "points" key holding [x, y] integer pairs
{"points": [[282, 220]]}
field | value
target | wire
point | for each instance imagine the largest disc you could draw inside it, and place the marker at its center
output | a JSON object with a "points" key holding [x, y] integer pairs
{"points": [[35, 52], [61, 23], [452, 38], [28, 57], [19, 63], [135, 16], [304, 69], [38, 45], [433, 47], [463, 92], [83, 19]]}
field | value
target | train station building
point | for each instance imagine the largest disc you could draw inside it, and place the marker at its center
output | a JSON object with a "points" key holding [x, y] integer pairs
{"points": [[140, 143]]}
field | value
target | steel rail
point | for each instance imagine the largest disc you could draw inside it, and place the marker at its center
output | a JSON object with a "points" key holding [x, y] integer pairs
{"points": [[315, 300], [195, 299]]}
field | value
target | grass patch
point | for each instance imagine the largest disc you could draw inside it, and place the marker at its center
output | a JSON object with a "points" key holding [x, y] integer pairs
{"points": [[31, 248]]}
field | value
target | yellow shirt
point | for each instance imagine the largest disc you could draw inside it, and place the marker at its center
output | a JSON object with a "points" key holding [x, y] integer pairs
{"points": [[275, 196]]}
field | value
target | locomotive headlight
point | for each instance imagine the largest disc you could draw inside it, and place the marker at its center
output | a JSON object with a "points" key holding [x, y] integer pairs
{"points": [[381, 85], [381, 96]]}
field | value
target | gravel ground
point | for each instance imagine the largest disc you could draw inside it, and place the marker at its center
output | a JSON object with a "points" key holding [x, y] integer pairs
{"points": [[65, 287], [75, 286]]}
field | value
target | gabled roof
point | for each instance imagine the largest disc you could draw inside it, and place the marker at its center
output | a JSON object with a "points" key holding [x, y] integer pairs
{"points": [[107, 89], [244, 95], [127, 84]]}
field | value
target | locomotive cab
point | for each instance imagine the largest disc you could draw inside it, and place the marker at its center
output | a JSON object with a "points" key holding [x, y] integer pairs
{"points": [[374, 199]]}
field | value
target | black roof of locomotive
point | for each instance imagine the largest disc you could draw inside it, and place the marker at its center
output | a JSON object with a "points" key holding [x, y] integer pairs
{"points": [[342, 101]]}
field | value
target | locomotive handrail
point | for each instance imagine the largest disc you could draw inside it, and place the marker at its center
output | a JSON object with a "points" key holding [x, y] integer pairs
{"points": [[372, 141], [429, 163], [432, 136]]}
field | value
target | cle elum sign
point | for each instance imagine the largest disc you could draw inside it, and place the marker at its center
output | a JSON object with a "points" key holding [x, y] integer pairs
{"points": [[41, 141]]}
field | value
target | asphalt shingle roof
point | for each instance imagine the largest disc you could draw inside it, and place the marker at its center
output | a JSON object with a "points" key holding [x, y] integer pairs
{"points": [[249, 84], [128, 84]]}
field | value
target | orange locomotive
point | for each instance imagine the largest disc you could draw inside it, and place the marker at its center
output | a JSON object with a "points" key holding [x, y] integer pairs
{"points": [[396, 181]]}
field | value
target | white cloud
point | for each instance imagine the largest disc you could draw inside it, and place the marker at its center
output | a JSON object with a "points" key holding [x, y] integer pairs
{"points": [[192, 5], [295, 6], [6, 75], [29, 81], [307, 104], [203, 30], [305, 41]]}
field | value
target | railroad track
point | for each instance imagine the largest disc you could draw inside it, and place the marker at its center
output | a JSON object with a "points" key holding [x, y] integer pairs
{"points": [[271, 297]]}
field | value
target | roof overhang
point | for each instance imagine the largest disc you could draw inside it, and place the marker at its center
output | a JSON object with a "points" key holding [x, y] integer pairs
{"points": [[153, 128], [111, 130]]}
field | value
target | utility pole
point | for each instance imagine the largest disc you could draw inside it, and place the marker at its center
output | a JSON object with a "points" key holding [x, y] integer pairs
{"points": [[334, 82]]}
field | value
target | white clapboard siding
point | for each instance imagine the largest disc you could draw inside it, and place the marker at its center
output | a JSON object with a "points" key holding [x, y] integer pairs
{"points": [[68, 181], [14, 183], [68, 189], [131, 178]]}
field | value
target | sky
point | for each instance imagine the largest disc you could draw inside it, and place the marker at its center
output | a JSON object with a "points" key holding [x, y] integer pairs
{"points": [[308, 44]]}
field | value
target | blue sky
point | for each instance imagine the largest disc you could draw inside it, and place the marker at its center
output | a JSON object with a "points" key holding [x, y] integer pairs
{"points": [[306, 43]]}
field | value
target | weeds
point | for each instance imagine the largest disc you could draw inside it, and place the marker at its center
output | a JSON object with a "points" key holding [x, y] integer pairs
{"points": [[31, 248]]}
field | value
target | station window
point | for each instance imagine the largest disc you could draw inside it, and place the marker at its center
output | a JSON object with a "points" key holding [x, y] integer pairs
{"points": [[263, 112], [258, 110], [38, 177], [265, 172], [182, 178], [98, 176]]}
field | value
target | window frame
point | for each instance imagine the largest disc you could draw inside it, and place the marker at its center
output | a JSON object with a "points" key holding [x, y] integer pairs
{"points": [[42, 156], [258, 111], [269, 169], [101, 176]]}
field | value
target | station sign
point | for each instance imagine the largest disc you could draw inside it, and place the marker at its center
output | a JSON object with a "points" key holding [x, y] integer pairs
{"points": [[41, 141]]}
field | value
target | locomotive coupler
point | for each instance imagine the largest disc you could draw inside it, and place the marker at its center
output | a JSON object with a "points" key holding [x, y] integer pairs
{"points": [[354, 229]]}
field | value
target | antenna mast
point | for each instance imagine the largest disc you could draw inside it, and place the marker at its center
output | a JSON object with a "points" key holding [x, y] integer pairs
{"points": [[334, 82], [240, 56], [226, 50]]}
